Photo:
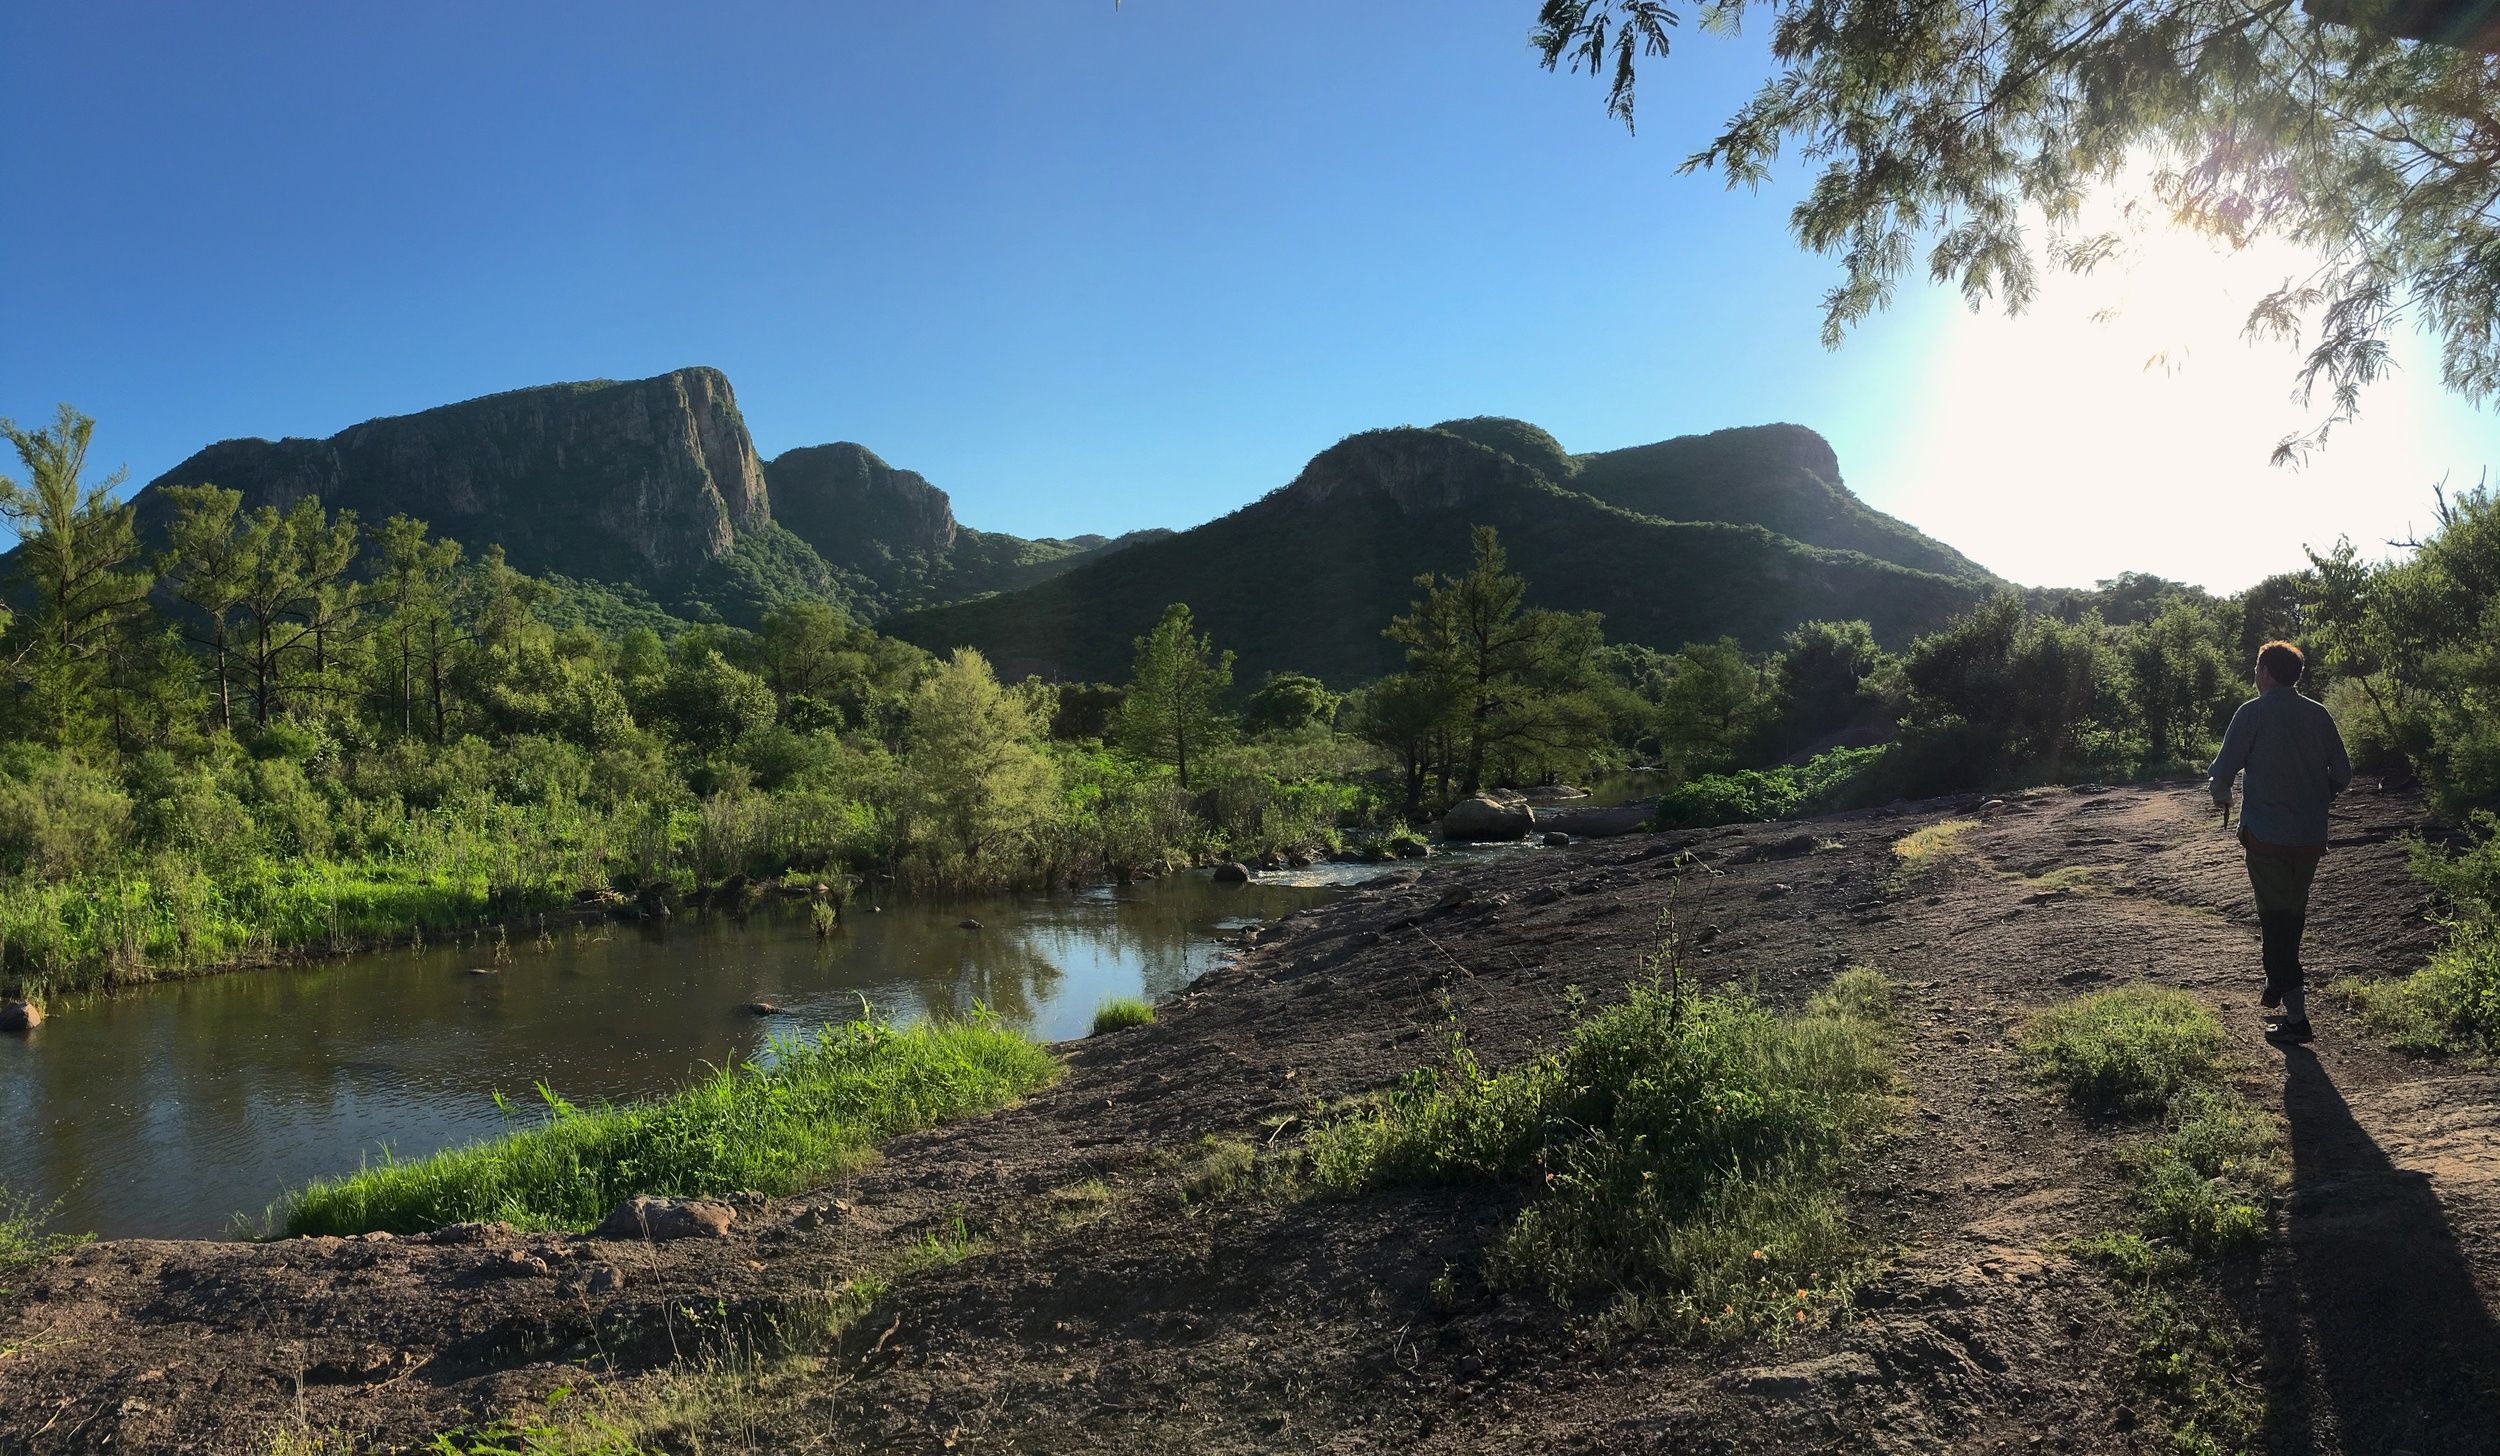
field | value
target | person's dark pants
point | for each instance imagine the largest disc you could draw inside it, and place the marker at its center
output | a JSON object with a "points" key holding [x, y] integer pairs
{"points": [[2281, 883]]}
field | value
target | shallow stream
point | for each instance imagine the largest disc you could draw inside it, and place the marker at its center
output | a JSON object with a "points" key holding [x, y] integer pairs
{"points": [[168, 1110]]}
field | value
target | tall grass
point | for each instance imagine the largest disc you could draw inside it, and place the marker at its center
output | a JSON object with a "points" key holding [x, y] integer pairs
{"points": [[818, 1109], [1685, 1151]]}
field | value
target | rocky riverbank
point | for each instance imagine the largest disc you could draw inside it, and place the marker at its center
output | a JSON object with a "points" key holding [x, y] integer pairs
{"points": [[1108, 1265]]}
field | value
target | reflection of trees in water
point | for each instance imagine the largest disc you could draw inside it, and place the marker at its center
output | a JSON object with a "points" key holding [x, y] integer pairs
{"points": [[1000, 971]]}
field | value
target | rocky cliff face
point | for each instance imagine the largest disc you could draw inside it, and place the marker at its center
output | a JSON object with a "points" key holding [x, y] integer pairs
{"points": [[644, 481], [841, 498]]}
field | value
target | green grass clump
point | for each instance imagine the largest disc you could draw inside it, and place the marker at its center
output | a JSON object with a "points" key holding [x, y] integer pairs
{"points": [[2128, 1052], [1118, 1013], [817, 1110], [2201, 1186], [1683, 1151], [2449, 1007], [24, 1241], [1922, 853]]}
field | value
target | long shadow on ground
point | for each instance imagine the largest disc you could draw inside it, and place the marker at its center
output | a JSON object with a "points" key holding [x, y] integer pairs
{"points": [[2376, 1339]]}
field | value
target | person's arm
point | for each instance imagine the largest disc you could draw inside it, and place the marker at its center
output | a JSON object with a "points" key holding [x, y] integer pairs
{"points": [[2236, 741], [2338, 762]]}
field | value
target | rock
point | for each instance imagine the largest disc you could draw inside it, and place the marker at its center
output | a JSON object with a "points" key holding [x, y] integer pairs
{"points": [[667, 1218], [1300, 859], [760, 1008], [513, 1264], [1393, 880], [1492, 815], [1775, 891], [598, 1279], [1454, 897], [485, 971], [1413, 849], [1993, 807], [1556, 839], [20, 1015], [1271, 861], [968, 923], [1232, 872]]}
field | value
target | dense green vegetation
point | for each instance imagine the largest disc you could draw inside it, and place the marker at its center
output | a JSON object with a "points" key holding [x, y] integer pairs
{"points": [[1120, 1012], [1682, 1153], [813, 1110]]}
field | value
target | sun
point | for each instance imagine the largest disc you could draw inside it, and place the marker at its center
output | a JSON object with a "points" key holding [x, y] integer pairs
{"points": [[2126, 421]]}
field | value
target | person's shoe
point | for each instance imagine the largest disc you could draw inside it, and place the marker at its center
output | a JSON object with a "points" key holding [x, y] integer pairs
{"points": [[2289, 1031]]}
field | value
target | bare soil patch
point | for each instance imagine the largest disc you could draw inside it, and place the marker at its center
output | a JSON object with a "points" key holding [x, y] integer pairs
{"points": [[1104, 1282]]}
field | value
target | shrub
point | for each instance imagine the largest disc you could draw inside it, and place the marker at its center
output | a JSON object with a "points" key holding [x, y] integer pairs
{"points": [[1684, 1149], [1121, 1012], [2128, 1052], [60, 819], [2450, 1005]]}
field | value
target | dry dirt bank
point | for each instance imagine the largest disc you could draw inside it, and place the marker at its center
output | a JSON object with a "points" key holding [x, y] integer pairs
{"points": [[1101, 1307]]}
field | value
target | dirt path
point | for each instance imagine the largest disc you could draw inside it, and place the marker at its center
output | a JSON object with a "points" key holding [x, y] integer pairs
{"points": [[1121, 1290]]}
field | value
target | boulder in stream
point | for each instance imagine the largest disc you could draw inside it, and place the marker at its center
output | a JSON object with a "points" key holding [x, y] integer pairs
{"points": [[1493, 814], [20, 1015], [1232, 872]]}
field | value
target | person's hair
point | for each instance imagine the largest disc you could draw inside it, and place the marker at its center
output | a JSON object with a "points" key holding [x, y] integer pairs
{"points": [[2282, 662]]}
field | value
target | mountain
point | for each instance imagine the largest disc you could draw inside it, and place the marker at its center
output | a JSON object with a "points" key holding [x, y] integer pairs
{"points": [[1306, 577], [898, 532], [652, 491]]}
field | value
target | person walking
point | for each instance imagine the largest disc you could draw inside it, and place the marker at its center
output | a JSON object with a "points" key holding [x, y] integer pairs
{"points": [[2295, 762]]}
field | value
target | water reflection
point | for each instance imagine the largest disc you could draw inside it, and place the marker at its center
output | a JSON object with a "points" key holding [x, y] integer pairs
{"points": [[165, 1111]]}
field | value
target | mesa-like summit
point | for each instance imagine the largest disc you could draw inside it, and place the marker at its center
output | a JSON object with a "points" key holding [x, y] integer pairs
{"points": [[650, 498]]}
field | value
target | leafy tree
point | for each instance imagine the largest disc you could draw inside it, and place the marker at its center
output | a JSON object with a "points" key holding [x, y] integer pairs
{"points": [[1175, 694], [976, 783], [1711, 705], [76, 542], [414, 585], [1289, 702], [1975, 130], [1413, 717], [1518, 675], [1999, 693], [2176, 676], [1823, 679]]}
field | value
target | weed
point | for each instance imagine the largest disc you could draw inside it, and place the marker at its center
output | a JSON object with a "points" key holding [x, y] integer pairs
{"points": [[1118, 1013], [2128, 1052], [1221, 1166], [1682, 1151], [24, 1241], [2449, 1007], [2184, 1359], [818, 1109]]}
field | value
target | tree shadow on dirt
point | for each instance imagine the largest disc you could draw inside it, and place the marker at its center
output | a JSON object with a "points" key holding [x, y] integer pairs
{"points": [[2376, 1339]]}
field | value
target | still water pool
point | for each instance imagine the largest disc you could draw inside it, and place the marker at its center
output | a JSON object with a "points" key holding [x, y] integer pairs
{"points": [[169, 1110]]}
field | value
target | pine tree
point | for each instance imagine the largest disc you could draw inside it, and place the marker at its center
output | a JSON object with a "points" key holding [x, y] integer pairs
{"points": [[1174, 708], [77, 543]]}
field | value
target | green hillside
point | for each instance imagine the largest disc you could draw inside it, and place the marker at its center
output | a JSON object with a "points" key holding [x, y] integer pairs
{"points": [[1783, 477], [1307, 577]]}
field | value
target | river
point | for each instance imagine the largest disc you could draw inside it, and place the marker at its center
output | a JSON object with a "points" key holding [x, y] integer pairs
{"points": [[185, 1109]]}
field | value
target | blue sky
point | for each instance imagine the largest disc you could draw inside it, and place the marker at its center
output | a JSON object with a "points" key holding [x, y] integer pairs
{"points": [[1087, 267]]}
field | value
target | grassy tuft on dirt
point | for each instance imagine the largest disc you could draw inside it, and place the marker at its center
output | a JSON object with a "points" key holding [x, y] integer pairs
{"points": [[1922, 852], [2450, 1007], [1117, 1013], [2126, 1053], [815, 1111], [1683, 1151], [24, 1241], [2202, 1185]]}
